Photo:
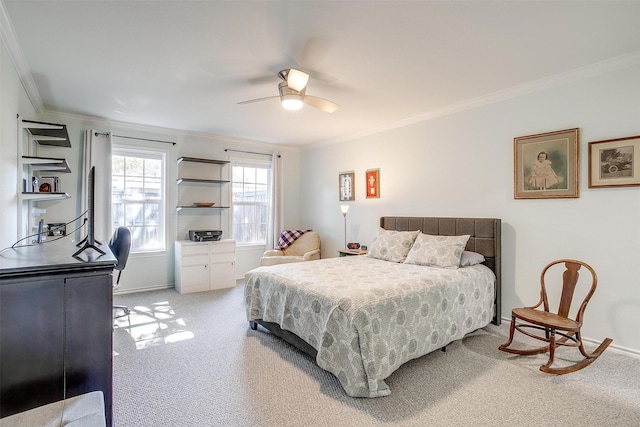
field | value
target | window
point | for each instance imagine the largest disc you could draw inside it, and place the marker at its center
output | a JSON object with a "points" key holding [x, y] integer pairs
{"points": [[251, 201], [138, 196]]}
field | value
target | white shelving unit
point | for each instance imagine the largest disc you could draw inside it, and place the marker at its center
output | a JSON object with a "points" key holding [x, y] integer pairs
{"points": [[202, 181], [32, 135]]}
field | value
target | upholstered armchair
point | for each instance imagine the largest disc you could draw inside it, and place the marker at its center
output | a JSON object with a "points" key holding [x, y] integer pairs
{"points": [[304, 248]]}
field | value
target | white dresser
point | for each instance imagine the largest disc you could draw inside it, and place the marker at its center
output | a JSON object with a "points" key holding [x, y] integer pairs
{"points": [[203, 266]]}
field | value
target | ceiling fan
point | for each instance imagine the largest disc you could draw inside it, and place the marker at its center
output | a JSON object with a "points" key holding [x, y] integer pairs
{"points": [[293, 93]]}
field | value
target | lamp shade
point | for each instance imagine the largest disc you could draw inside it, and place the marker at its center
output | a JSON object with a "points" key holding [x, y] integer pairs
{"points": [[296, 79], [344, 209], [290, 99]]}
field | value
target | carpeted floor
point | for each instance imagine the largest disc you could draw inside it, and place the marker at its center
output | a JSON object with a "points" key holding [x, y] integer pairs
{"points": [[191, 360]]}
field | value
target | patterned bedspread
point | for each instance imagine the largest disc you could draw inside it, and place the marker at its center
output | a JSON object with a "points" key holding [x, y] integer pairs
{"points": [[366, 317]]}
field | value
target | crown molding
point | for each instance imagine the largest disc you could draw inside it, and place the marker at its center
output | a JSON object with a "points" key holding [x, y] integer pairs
{"points": [[8, 36], [598, 68], [175, 135]]}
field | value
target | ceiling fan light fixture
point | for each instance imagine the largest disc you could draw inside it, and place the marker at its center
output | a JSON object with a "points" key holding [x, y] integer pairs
{"points": [[296, 79], [291, 102]]}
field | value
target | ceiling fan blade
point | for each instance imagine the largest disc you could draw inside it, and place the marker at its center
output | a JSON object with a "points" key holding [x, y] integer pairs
{"points": [[321, 104], [296, 79], [258, 99]]}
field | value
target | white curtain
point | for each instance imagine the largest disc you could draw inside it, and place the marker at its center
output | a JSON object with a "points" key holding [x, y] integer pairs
{"points": [[97, 152], [276, 219]]}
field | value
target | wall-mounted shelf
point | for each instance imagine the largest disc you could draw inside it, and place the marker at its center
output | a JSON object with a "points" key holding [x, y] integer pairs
{"points": [[178, 208], [44, 196], [48, 133], [33, 135], [202, 181], [46, 164], [200, 160]]}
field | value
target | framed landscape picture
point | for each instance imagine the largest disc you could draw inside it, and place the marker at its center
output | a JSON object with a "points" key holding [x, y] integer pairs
{"points": [[612, 162], [346, 183], [546, 165]]}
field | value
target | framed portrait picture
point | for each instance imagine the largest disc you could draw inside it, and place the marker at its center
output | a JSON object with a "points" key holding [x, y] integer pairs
{"points": [[346, 185], [612, 162], [372, 178], [546, 165]]}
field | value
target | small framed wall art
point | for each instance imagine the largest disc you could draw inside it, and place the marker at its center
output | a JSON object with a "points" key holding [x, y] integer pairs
{"points": [[546, 165], [372, 177], [612, 162], [346, 186], [48, 184]]}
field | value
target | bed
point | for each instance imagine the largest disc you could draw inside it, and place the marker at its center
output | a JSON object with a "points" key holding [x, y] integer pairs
{"points": [[362, 317]]}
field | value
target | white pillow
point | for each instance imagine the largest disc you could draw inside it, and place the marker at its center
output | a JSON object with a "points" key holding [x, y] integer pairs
{"points": [[392, 245], [437, 251], [469, 258]]}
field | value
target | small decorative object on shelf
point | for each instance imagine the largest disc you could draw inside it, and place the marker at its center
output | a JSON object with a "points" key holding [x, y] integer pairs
{"points": [[353, 245], [49, 184]]}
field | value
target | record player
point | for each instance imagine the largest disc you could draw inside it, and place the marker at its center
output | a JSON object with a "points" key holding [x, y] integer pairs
{"points": [[205, 235]]}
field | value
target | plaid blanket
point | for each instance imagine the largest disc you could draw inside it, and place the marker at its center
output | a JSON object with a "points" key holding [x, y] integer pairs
{"points": [[287, 237]]}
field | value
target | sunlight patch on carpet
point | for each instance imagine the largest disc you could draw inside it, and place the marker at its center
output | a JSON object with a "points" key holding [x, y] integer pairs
{"points": [[153, 325]]}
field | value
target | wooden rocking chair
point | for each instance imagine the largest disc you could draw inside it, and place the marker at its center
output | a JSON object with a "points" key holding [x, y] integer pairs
{"points": [[551, 324]]}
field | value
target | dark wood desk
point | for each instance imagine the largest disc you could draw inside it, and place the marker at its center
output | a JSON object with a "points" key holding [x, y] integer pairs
{"points": [[56, 325]]}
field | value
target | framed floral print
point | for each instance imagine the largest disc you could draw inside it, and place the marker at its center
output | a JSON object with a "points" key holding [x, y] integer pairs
{"points": [[546, 165], [612, 162], [346, 183]]}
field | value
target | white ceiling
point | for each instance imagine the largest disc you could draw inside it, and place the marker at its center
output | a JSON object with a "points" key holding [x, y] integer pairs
{"points": [[185, 64]]}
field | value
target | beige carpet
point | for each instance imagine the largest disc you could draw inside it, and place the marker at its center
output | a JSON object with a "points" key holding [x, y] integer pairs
{"points": [[191, 360]]}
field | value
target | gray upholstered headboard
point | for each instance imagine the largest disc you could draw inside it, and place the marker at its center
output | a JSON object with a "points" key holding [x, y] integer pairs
{"points": [[485, 239]]}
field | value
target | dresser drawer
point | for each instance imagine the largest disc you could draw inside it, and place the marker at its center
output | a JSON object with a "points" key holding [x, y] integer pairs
{"points": [[195, 260], [222, 247], [222, 257], [195, 249]]}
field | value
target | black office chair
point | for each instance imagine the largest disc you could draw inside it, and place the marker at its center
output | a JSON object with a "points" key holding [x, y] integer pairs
{"points": [[120, 245]]}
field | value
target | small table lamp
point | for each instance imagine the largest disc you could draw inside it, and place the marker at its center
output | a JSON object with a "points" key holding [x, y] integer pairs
{"points": [[345, 209]]}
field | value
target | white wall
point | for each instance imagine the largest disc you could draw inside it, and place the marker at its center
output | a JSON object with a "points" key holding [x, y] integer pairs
{"points": [[462, 165], [13, 101]]}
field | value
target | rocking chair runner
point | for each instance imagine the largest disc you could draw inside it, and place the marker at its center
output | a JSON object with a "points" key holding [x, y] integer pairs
{"points": [[551, 324]]}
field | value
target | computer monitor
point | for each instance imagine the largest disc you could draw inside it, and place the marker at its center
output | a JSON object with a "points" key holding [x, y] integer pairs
{"points": [[89, 241]]}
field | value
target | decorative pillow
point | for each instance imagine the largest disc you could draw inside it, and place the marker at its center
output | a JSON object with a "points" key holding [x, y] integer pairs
{"points": [[392, 245], [470, 258], [437, 251]]}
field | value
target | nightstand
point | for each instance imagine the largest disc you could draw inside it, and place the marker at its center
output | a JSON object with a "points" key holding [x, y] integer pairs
{"points": [[350, 252]]}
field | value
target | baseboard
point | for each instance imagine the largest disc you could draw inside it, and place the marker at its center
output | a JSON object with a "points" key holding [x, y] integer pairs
{"points": [[150, 288]]}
